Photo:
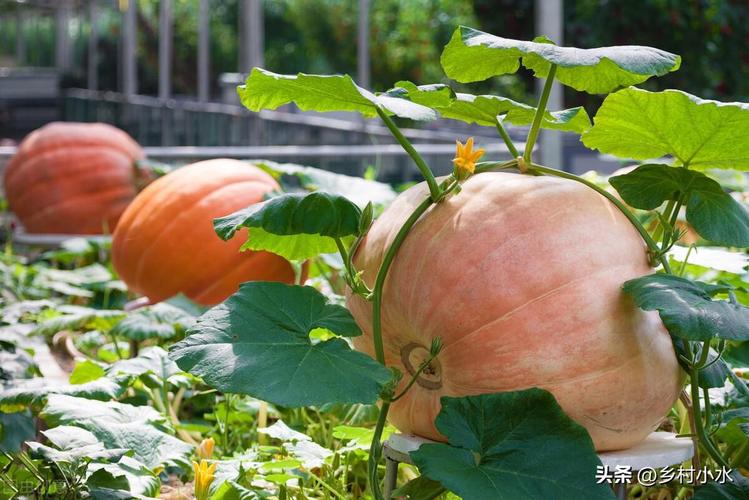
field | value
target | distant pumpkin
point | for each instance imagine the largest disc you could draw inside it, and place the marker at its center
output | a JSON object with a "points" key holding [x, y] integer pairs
{"points": [[73, 178], [165, 243]]}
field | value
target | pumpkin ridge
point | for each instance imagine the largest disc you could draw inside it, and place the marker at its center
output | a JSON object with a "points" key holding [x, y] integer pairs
{"points": [[115, 179], [73, 202], [154, 243], [532, 301]]}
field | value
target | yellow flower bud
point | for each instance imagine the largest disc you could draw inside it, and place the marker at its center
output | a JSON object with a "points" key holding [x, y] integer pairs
{"points": [[205, 448], [465, 159]]}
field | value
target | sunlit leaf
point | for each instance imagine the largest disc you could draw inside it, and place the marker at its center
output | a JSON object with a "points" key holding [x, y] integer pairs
{"points": [[258, 343], [161, 320], [472, 55], [267, 90], [484, 109], [634, 123]]}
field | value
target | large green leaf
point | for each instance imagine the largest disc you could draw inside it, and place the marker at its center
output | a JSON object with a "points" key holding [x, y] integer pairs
{"points": [[73, 445], [34, 391], [713, 213], [295, 226], [161, 320], [737, 488], [15, 428], [511, 445], [358, 190], [118, 425], [473, 55], [484, 109], [152, 361], [139, 480], [258, 343], [688, 309], [421, 488], [79, 318], [635, 123], [267, 90]]}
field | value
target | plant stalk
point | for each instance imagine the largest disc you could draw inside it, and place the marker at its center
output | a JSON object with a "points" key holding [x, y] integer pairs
{"points": [[434, 188], [506, 137], [375, 451], [540, 110]]}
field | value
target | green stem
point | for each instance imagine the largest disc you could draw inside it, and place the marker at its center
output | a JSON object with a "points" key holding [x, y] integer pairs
{"points": [[375, 452], [540, 110], [116, 345], [434, 188], [708, 408], [705, 440], [487, 166], [415, 377], [382, 274], [506, 137], [652, 245]]}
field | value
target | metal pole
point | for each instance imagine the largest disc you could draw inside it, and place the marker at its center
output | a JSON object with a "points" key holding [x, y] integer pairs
{"points": [[129, 62], [362, 46], [93, 45], [204, 55], [62, 37], [549, 21], [20, 40], [165, 49], [251, 35]]}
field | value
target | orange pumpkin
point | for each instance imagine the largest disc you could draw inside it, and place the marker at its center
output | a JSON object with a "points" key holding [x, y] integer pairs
{"points": [[165, 243], [521, 277], [72, 178]]}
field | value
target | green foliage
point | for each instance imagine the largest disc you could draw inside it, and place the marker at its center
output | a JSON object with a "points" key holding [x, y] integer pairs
{"points": [[162, 321], [511, 445], [295, 226], [688, 308], [473, 55], [713, 213], [243, 346], [697, 133], [484, 109], [267, 90]]}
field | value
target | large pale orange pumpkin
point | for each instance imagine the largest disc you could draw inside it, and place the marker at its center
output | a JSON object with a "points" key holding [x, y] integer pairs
{"points": [[165, 243], [72, 178], [521, 277]]}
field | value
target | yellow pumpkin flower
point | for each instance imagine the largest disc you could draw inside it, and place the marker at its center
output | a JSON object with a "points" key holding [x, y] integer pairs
{"points": [[465, 159], [203, 478], [205, 448]]}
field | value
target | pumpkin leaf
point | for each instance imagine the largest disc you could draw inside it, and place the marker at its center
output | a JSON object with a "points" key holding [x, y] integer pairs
{"points": [[687, 308], [34, 391], [162, 321], [421, 488], [295, 226], [138, 479], [736, 488], [267, 90], [713, 213], [360, 191], [484, 109], [119, 425], [77, 318], [511, 445], [152, 361], [15, 429], [702, 134], [473, 55], [86, 371], [258, 343]]}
